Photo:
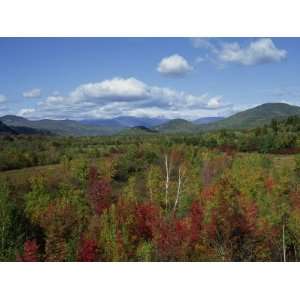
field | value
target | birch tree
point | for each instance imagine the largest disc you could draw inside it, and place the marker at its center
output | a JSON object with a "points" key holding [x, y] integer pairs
{"points": [[167, 182], [180, 178]]}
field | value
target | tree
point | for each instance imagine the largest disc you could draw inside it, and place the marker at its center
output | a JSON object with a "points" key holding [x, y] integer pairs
{"points": [[168, 168], [5, 219], [109, 241], [297, 167], [147, 217], [154, 183], [79, 169], [30, 253], [144, 251], [37, 200], [87, 250], [99, 191], [108, 168], [130, 190]]}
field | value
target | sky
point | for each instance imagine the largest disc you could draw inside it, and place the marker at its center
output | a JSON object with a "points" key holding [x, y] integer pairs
{"points": [[190, 78]]}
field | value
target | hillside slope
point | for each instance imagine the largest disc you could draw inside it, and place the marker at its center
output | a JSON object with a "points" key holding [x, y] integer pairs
{"points": [[254, 117], [138, 130], [4, 129], [176, 126], [60, 127]]}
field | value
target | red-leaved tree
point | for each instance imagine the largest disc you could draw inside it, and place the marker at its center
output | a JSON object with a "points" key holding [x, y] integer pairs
{"points": [[88, 250], [30, 253], [147, 216], [99, 191], [196, 216]]}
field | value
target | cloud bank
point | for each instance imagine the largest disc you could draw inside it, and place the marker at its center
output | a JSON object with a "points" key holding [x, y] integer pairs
{"points": [[260, 51], [125, 97]]}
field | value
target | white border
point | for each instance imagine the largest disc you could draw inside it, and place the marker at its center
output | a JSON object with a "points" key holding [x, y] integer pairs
{"points": [[149, 18], [149, 281]]}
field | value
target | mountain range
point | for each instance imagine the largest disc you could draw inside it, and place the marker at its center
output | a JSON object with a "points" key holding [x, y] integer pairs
{"points": [[250, 118], [121, 122]]}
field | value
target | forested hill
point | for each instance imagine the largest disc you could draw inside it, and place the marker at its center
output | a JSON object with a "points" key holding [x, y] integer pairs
{"points": [[4, 129], [138, 130], [177, 126], [255, 117], [60, 127], [250, 118], [13, 130]]}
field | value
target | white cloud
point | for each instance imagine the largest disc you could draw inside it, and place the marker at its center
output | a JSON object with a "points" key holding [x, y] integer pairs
{"points": [[123, 97], [203, 43], [34, 93], [260, 51], [174, 65], [3, 98], [214, 103], [121, 89]]}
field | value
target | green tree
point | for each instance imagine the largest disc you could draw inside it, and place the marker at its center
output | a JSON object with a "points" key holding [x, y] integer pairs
{"points": [[155, 183], [37, 200], [5, 220]]}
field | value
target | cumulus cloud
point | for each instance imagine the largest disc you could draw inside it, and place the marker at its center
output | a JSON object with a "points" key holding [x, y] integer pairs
{"points": [[174, 65], [257, 52], [125, 97], [3, 98], [120, 89], [34, 93], [260, 51]]}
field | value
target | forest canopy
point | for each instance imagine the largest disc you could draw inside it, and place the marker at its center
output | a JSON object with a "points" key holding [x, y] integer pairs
{"points": [[225, 195]]}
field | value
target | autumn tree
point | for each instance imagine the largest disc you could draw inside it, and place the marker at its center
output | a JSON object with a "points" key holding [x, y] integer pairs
{"points": [[154, 183], [98, 191], [5, 219], [30, 252], [87, 250]]}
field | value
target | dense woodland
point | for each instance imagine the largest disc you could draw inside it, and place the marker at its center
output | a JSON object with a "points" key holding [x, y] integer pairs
{"points": [[226, 195]]}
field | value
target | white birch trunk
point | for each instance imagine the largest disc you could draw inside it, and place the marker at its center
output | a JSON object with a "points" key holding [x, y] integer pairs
{"points": [[283, 243], [178, 189], [167, 180]]}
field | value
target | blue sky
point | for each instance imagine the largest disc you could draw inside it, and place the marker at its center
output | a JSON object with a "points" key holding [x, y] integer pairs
{"points": [[79, 78]]}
